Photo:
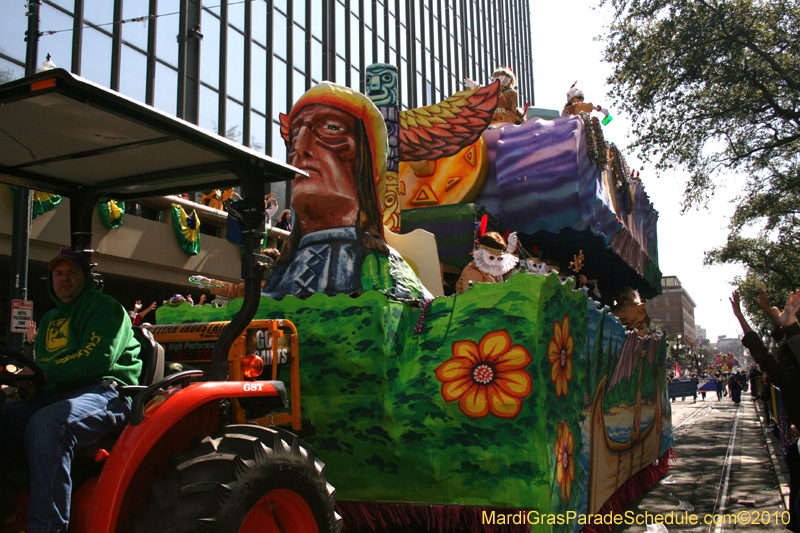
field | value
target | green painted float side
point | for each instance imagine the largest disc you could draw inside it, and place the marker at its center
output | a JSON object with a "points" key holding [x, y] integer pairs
{"points": [[386, 431]]}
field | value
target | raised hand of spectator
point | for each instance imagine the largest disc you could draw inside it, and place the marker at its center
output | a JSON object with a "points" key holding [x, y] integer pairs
{"points": [[202, 299], [189, 299], [737, 311], [789, 315], [763, 302], [30, 331], [149, 308]]}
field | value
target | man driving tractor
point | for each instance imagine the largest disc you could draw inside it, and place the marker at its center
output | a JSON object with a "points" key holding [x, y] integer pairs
{"points": [[86, 348]]}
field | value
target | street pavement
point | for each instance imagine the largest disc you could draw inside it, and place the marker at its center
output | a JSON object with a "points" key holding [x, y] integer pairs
{"points": [[727, 466]]}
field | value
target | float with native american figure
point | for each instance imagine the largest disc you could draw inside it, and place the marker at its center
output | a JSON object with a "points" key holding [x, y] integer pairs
{"points": [[461, 410]]}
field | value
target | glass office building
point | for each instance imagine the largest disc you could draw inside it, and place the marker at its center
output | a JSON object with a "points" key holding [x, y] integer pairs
{"points": [[231, 66]]}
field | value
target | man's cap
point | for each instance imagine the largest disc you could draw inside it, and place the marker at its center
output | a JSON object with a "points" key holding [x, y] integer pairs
{"points": [[75, 257]]}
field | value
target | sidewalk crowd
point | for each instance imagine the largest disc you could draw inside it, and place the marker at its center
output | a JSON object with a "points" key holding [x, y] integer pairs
{"points": [[775, 381]]}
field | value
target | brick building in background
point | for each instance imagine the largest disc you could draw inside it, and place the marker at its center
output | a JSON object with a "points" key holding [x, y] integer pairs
{"points": [[673, 311]]}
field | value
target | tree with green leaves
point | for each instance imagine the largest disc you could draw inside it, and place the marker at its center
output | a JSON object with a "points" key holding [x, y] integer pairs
{"points": [[713, 87]]}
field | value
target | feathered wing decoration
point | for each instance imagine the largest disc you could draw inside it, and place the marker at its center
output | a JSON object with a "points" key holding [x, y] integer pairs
{"points": [[444, 129]]}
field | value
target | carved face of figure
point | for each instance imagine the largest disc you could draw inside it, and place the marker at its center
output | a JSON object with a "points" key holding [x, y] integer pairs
{"points": [[381, 84], [323, 143]]}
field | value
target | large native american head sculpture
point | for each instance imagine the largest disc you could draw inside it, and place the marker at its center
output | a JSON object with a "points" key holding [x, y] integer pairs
{"points": [[314, 130], [338, 137]]}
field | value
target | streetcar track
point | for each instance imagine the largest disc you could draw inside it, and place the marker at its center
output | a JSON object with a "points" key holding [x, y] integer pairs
{"points": [[697, 413], [721, 500]]}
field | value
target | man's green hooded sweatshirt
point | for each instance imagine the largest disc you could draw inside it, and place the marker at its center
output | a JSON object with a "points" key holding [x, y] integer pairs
{"points": [[86, 341]]}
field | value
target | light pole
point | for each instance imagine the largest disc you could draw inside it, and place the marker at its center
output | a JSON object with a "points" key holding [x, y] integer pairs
{"points": [[21, 208], [676, 349]]}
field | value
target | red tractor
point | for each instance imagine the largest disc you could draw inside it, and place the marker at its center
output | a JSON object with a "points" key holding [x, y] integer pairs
{"points": [[219, 455]]}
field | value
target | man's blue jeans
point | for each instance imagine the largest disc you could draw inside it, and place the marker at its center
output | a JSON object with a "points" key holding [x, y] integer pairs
{"points": [[49, 430]]}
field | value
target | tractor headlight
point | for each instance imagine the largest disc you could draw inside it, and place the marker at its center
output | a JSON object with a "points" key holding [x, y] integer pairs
{"points": [[252, 366]]}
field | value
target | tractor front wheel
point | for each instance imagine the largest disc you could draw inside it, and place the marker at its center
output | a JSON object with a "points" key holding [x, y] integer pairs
{"points": [[245, 479]]}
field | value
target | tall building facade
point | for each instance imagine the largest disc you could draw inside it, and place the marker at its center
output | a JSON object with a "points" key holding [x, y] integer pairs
{"points": [[673, 310], [232, 66]]}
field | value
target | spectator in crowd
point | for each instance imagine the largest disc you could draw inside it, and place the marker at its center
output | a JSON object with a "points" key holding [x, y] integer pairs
{"points": [[735, 386], [137, 315], [784, 365], [285, 220], [773, 313], [753, 375], [30, 338], [285, 223], [720, 386]]}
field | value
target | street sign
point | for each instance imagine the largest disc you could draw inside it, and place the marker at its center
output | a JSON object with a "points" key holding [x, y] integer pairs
{"points": [[21, 314]]}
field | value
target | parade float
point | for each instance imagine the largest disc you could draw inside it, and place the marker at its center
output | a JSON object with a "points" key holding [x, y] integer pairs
{"points": [[460, 411]]}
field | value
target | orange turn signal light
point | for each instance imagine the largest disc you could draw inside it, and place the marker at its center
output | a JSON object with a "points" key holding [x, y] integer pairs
{"points": [[252, 366], [43, 84]]}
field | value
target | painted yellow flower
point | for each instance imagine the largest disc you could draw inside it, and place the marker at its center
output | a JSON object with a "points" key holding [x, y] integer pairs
{"points": [[565, 467], [487, 377], [559, 352]]}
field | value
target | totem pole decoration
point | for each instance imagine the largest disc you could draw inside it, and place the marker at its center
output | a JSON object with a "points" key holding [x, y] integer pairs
{"points": [[423, 135], [382, 88]]}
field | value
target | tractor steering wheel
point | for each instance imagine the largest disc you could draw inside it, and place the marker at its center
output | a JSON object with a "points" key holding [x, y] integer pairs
{"points": [[7, 378]]}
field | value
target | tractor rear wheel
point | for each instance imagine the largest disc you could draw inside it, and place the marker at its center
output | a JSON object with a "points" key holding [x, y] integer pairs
{"points": [[245, 479]]}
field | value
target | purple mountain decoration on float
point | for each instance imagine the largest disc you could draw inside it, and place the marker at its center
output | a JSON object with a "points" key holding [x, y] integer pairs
{"points": [[542, 182], [543, 170]]}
